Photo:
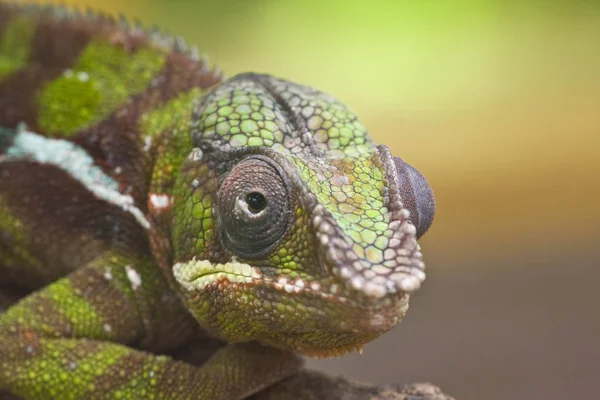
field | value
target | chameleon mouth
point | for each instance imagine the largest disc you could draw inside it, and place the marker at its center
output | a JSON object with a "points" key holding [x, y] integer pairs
{"points": [[198, 274]]}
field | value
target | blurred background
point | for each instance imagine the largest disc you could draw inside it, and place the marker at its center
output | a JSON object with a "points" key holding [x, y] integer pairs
{"points": [[498, 104]]}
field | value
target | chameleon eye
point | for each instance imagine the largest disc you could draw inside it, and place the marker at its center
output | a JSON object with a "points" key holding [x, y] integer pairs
{"points": [[416, 195], [253, 207]]}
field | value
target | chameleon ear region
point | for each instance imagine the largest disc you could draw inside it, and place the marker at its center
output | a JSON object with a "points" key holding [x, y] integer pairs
{"points": [[417, 196]]}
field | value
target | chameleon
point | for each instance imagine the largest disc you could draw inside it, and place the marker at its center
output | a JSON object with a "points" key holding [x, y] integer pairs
{"points": [[146, 203]]}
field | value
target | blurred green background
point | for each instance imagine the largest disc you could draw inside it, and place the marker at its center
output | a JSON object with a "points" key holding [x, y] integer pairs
{"points": [[498, 104]]}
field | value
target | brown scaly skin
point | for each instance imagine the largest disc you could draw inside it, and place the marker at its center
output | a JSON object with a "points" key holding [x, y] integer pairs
{"points": [[146, 205]]}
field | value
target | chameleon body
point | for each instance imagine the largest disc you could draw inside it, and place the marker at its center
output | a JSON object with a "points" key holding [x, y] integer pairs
{"points": [[146, 203]]}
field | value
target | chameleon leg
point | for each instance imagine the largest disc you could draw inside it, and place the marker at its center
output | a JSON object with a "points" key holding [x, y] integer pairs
{"points": [[72, 368], [70, 340]]}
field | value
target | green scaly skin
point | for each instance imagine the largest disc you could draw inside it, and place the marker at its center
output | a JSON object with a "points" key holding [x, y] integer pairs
{"points": [[146, 204]]}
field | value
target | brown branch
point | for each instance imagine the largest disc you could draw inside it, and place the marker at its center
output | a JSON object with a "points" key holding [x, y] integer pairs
{"points": [[312, 385]]}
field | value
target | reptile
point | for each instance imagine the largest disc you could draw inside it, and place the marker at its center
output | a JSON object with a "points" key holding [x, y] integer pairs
{"points": [[146, 203]]}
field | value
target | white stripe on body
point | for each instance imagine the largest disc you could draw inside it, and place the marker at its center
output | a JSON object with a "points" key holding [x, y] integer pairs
{"points": [[75, 161]]}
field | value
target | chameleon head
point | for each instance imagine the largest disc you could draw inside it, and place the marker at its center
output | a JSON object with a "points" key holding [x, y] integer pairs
{"points": [[291, 226]]}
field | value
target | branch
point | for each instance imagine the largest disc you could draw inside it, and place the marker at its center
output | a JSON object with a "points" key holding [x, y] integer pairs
{"points": [[312, 385]]}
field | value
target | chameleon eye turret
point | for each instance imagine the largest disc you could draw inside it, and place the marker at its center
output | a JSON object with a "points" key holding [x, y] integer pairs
{"points": [[253, 203]]}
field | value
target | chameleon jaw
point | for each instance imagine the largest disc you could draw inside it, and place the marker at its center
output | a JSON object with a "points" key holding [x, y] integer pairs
{"points": [[209, 289]]}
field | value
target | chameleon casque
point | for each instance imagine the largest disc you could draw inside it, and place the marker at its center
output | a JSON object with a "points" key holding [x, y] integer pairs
{"points": [[146, 203]]}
